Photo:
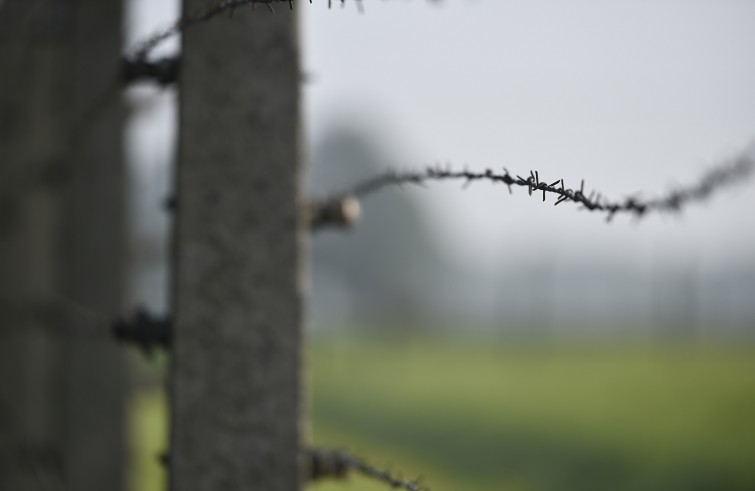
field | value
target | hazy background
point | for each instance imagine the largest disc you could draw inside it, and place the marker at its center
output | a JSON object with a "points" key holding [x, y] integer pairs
{"points": [[490, 341], [631, 96]]}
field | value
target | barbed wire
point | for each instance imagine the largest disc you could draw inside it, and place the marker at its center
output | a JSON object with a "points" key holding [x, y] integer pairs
{"points": [[216, 8], [728, 173], [325, 463], [328, 463]]}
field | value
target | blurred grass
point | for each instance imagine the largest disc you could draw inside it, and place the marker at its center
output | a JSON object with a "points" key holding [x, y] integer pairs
{"points": [[492, 416], [148, 423]]}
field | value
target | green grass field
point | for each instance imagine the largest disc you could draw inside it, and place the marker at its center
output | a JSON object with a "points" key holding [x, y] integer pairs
{"points": [[491, 416]]}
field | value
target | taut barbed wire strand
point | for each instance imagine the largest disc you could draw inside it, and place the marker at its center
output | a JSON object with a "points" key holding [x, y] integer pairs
{"points": [[327, 212]]}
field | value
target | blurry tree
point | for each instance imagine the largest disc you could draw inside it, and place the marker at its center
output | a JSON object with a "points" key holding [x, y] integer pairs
{"points": [[388, 264]]}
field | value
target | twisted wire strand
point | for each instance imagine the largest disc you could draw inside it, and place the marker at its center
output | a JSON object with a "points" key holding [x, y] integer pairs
{"points": [[328, 463], [730, 172]]}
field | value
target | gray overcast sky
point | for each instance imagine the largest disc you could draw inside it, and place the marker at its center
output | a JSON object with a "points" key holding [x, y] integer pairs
{"points": [[615, 92]]}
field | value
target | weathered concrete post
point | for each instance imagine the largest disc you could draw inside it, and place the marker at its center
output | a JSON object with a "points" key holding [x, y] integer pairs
{"points": [[237, 302], [94, 238]]}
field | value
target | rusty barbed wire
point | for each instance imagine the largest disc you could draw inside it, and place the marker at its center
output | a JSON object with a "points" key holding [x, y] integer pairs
{"points": [[728, 173], [328, 463]]}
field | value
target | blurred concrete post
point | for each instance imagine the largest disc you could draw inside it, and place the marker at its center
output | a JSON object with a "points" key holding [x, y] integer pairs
{"points": [[94, 239], [61, 382], [237, 303], [34, 71]]}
